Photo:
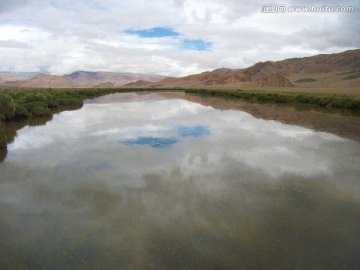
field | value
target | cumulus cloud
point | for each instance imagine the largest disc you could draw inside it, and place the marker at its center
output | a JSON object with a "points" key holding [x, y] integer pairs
{"points": [[96, 35]]}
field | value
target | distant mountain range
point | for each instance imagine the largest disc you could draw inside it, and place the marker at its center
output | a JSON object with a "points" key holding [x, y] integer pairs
{"points": [[116, 79], [338, 70], [77, 79]]}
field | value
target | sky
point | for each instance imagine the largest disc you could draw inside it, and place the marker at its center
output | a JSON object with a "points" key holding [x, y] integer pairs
{"points": [[167, 37]]}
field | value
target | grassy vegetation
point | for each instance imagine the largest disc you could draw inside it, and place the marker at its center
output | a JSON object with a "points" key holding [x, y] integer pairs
{"points": [[322, 100], [40, 111], [30, 105], [69, 102], [21, 112], [7, 106], [21, 102]]}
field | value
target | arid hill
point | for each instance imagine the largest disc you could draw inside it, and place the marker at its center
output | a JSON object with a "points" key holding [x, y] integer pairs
{"points": [[77, 79], [88, 78], [338, 73], [10, 78], [139, 83], [320, 71], [41, 80], [105, 85]]}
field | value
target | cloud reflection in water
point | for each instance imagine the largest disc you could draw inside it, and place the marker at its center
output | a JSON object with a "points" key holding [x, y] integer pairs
{"points": [[159, 142]]}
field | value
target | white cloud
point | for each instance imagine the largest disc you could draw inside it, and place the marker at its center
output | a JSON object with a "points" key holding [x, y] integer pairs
{"points": [[71, 35], [12, 43]]}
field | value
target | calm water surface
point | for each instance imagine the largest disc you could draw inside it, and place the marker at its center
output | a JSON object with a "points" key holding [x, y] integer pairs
{"points": [[151, 182]]}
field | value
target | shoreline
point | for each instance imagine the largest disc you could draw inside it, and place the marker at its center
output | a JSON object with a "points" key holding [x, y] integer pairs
{"points": [[34, 104]]}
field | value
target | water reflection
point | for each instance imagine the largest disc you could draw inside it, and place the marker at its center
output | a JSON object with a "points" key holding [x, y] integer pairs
{"points": [[170, 136], [146, 182], [327, 120], [153, 142]]}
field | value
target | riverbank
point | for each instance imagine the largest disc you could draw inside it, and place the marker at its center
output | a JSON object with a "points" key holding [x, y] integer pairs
{"points": [[293, 98], [32, 104]]}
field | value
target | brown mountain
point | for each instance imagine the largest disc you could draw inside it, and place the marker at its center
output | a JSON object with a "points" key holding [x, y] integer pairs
{"points": [[105, 85], [139, 83], [10, 78], [88, 78], [41, 81], [320, 71], [77, 79]]}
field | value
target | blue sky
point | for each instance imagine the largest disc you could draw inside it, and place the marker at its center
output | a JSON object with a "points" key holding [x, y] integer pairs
{"points": [[196, 44], [154, 32], [184, 43], [168, 37]]}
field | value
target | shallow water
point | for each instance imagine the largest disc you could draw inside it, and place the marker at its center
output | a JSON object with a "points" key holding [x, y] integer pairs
{"points": [[156, 182]]}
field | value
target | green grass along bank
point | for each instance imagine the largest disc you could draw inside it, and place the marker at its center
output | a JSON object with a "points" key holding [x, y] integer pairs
{"points": [[334, 101]]}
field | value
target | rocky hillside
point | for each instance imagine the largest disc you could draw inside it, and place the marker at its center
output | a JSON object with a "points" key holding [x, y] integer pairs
{"points": [[324, 70]]}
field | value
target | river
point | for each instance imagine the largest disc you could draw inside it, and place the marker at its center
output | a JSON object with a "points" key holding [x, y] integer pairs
{"points": [[169, 181]]}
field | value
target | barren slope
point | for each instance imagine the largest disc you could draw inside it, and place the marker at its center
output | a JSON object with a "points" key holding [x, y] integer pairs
{"points": [[42, 81], [87, 78], [340, 70]]}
